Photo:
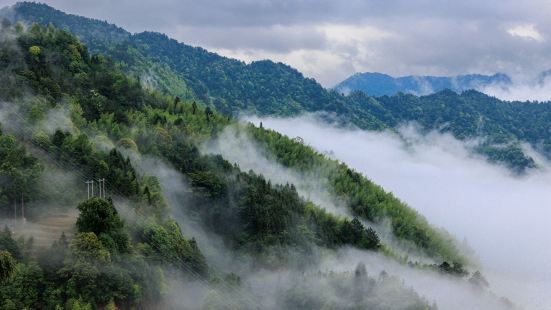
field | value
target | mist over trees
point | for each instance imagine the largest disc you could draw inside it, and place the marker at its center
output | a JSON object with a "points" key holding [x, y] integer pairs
{"points": [[108, 261], [125, 247]]}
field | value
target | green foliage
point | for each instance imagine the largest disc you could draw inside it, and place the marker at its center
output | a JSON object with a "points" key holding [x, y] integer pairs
{"points": [[511, 155], [93, 81], [19, 172], [7, 243], [116, 169], [99, 217], [85, 275], [266, 216], [229, 85], [7, 265], [87, 246], [166, 244], [34, 51], [23, 288], [111, 263], [255, 215], [451, 269], [74, 304]]}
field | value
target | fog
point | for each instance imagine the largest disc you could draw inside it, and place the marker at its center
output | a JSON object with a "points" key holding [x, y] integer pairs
{"points": [[237, 147], [177, 194], [522, 89], [322, 271], [503, 217]]}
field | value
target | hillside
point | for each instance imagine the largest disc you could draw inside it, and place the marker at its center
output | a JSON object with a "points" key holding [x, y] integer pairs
{"points": [[83, 117], [378, 84]]}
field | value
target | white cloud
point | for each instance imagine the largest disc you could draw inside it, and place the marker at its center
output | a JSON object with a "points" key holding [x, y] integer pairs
{"points": [[522, 90], [527, 31], [338, 49]]}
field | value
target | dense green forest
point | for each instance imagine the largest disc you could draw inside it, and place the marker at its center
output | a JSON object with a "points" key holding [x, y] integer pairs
{"points": [[126, 248], [268, 88]]}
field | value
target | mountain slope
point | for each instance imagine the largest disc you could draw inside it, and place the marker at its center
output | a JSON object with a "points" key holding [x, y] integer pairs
{"points": [[111, 127], [378, 84], [110, 104]]}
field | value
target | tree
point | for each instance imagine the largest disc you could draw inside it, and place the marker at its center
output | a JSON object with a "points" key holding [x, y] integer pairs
{"points": [[35, 52], [478, 279], [25, 287], [99, 216], [19, 171], [7, 265], [208, 113], [7, 243], [167, 244], [87, 246], [372, 239], [54, 257]]}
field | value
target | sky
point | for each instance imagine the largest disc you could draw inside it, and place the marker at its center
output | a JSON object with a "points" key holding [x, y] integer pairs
{"points": [[330, 40]]}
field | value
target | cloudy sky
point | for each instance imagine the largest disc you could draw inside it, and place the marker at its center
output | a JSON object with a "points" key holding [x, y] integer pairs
{"points": [[330, 39]]}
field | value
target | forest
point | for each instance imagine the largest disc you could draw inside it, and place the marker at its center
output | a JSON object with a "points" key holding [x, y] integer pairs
{"points": [[68, 111]]}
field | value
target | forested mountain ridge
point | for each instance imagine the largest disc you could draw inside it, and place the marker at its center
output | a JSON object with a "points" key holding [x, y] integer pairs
{"points": [[222, 81], [379, 84], [68, 112], [268, 88]]}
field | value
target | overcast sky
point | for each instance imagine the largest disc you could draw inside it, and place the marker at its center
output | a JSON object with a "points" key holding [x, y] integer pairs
{"points": [[330, 40]]}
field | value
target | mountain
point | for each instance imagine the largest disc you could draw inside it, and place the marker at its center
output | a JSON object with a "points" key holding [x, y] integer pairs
{"points": [[233, 87], [169, 220], [379, 84]]}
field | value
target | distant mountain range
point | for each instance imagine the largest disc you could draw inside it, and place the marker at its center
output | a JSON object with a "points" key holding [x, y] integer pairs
{"points": [[379, 84]]}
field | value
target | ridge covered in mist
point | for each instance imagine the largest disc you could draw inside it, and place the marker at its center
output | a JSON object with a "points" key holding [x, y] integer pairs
{"points": [[176, 223], [379, 84]]}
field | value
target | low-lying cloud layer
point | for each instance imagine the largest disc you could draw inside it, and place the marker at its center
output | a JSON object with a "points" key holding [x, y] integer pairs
{"points": [[533, 90], [503, 218]]}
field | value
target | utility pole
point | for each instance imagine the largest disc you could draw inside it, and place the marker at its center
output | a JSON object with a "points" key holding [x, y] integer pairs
{"points": [[22, 209], [88, 187], [101, 183]]}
